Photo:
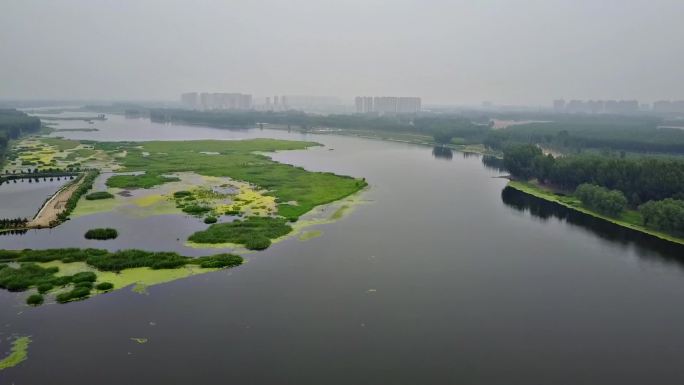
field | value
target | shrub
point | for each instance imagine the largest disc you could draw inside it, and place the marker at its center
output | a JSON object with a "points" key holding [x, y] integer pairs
{"points": [[210, 220], [182, 194], [104, 286], [76, 294], [86, 284], [219, 261], [84, 276], [99, 195], [44, 287], [34, 299], [258, 243], [194, 209], [102, 234], [127, 259], [85, 186], [25, 276]]}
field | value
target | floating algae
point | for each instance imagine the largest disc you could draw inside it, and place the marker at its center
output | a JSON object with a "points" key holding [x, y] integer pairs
{"points": [[306, 235], [18, 354]]}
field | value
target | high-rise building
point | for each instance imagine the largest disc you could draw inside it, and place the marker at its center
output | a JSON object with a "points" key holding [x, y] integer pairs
{"points": [[367, 104], [190, 100], [666, 106], [387, 104], [596, 106], [358, 104], [408, 105], [559, 105], [216, 101]]}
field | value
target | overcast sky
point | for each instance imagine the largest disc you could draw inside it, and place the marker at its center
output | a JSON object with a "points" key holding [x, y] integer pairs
{"points": [[447, 51]]}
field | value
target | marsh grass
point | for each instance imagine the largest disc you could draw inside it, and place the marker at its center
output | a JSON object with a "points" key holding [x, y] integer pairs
{"points": [[254, 232], [20, 270], [145, 181], [238, 160]]}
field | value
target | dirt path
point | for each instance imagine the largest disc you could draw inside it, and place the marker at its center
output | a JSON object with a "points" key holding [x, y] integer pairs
{"points": [[48, 213]]}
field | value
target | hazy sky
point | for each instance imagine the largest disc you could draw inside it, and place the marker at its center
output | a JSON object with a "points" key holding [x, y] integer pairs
{"points": [[460, 52]]}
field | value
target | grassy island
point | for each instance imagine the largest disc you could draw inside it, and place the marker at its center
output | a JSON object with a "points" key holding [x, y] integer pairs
{"points": [[102, 234], [254, 233], [296, 190], [99, 195]]}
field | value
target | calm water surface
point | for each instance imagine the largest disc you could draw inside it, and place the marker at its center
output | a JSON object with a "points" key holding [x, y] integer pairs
{"points": [[21, 198], [443, 277]]}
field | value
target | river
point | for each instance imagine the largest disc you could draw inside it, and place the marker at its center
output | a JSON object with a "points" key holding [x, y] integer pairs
{"points": [[440, 277]]}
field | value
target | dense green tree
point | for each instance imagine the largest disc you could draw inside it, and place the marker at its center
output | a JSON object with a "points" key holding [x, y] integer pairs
{"points": [[640, 179], [608, 202], [666, 215]]}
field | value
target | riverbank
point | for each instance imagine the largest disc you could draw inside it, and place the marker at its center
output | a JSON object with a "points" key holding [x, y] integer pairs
{"points": [[399, 137], [630, 219], [48, 215]]}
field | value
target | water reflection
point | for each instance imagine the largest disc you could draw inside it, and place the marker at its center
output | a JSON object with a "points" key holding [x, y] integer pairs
{"points": [[493, 163], [646, 246], [440, 152]]}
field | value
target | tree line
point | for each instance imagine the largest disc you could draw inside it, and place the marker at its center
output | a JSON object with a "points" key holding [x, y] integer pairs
{"points": [[609, 184], [567, 133], [14, 124], [577, 133], [13, 223], [443, 127]]}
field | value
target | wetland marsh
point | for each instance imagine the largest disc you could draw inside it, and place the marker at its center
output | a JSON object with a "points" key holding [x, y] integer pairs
{"points": [[410, 266]]}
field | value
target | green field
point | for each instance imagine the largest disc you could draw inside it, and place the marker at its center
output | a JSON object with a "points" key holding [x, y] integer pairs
{"points": [[297, 190], [629, 218]]}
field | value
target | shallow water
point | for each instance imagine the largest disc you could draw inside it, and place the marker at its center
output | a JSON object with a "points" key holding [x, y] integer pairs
{"points": [[443, 276]]}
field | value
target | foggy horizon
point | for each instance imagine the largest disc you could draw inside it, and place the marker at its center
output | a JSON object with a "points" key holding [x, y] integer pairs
{"points": [[459, 53]]}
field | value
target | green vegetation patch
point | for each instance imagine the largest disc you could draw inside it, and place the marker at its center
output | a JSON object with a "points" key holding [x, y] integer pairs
{"points": [[607, 202], [60, 143], [86, 184], [40, 269], [99, 195], [255, 233], [35, 300], [239, 160], [146, 180], [18, 354], [102, 234]]}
